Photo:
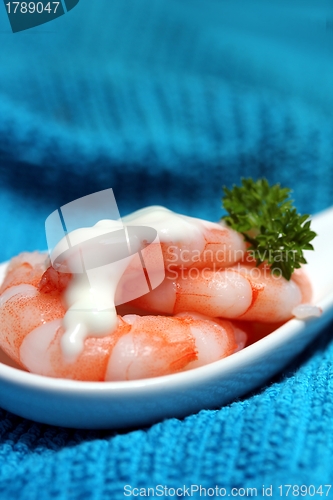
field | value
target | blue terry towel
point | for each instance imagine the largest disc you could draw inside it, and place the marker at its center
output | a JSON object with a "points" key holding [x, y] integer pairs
{"points": [[165, 101]]}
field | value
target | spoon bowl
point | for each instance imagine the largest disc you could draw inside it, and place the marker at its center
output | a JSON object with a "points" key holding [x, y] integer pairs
{"points": [[98, 405]]}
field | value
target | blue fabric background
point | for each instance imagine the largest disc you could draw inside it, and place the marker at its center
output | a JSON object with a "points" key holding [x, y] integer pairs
{"points": [[165, 101]]}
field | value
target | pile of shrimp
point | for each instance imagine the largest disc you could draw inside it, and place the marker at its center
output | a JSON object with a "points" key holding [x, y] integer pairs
{"points": [[198, 315]]}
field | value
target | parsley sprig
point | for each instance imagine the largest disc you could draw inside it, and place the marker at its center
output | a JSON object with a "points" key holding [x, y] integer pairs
{"points": [[265, 216]]}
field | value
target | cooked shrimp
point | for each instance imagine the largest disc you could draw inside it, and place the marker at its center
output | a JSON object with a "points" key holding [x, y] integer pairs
{"points": [[111, 266], [22, 307], [189, 241], [140, 347], [26, 268], [241, 292]]}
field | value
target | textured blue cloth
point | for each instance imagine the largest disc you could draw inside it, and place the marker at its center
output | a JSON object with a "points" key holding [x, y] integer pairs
{"points": [[165, 101]]}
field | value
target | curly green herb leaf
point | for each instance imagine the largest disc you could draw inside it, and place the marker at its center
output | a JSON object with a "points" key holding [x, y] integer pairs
{"points": [[265, 216]]}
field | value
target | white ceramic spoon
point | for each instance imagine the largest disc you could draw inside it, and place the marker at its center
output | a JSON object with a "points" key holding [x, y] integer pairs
{"points": [[135, 403]]}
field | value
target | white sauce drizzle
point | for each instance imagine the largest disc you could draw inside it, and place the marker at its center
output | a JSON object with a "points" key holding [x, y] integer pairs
{"points": [[171, 227], [91, 307]]}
